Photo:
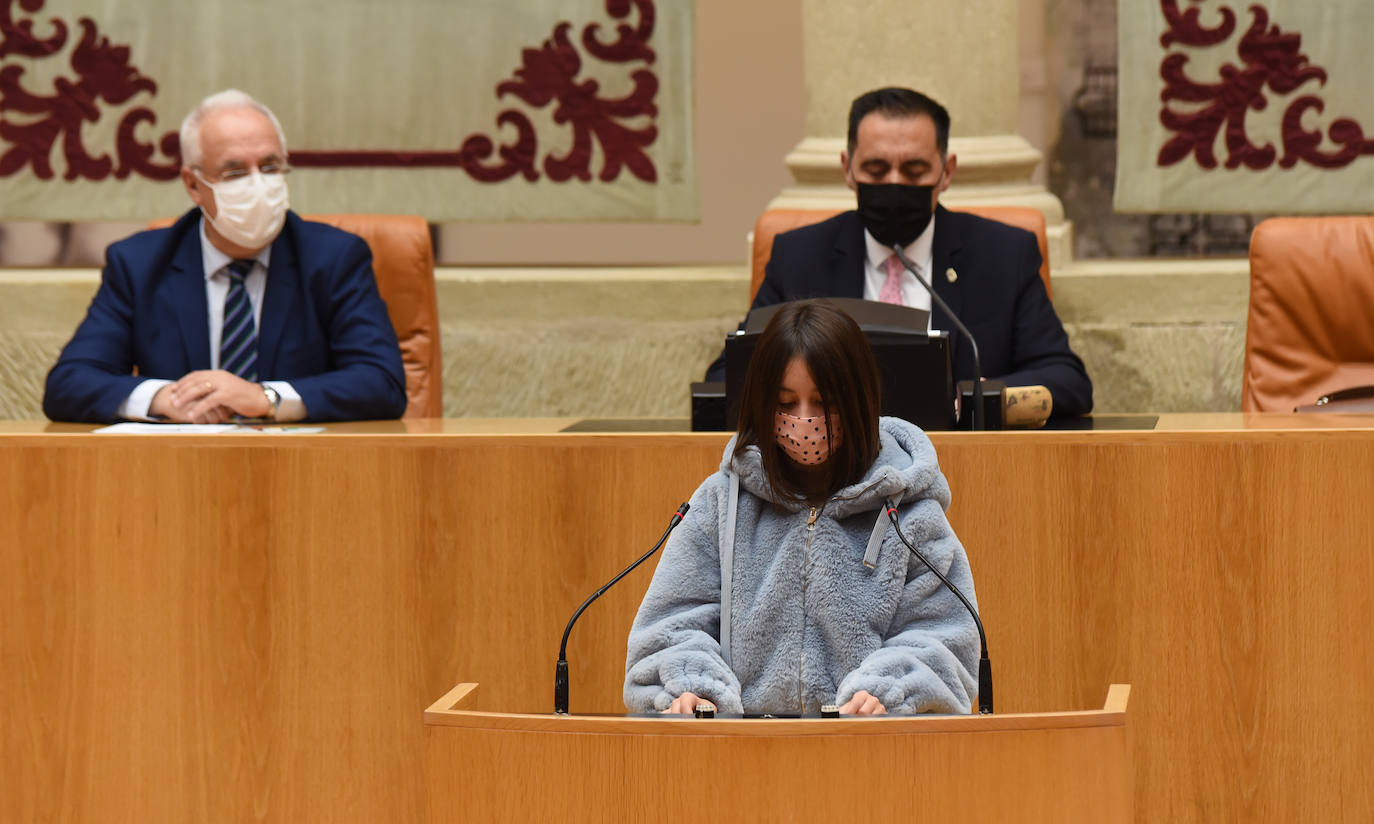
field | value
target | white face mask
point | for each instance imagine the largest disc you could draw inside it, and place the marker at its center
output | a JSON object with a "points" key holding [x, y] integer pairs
{"points": [[249, 211]]}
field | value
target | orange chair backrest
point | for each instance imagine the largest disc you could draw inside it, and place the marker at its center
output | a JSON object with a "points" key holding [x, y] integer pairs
{"points": [[403, 262], [776, 221], [1310, 329]]}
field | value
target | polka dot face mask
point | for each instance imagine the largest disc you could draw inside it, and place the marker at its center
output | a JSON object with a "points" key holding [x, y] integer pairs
{"points": [[805, 440]]}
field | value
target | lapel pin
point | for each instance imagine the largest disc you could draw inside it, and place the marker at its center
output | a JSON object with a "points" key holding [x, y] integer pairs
{"points": [[951, 275]]}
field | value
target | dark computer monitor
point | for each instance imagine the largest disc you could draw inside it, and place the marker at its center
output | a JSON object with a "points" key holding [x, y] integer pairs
{"points": [[917, 380]]}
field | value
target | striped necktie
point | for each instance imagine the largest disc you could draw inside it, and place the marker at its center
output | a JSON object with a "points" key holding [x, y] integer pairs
{"points": [[238, 348]]}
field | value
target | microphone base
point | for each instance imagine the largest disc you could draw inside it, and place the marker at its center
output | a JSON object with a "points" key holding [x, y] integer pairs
{"points": [[994, 402], [560, 688], [984, 686]]}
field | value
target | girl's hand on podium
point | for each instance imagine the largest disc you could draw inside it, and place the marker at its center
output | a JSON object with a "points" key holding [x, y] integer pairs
{"points": [[863, 703], [684, 704]]}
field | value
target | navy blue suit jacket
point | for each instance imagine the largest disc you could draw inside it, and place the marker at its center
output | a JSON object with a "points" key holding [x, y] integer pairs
{"points": [[998, 295], [324, 327]]}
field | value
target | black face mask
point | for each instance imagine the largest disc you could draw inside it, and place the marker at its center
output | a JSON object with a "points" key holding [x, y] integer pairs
{"points": [[895, 213]]}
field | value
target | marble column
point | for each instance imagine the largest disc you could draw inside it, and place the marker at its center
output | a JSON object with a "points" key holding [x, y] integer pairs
{"points": [[963, 54]]}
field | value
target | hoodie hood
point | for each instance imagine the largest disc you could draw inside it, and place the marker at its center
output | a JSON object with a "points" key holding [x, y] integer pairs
{"points": [[906, 469]]}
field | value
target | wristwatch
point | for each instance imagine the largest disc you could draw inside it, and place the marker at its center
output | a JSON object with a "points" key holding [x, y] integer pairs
{"points": [[273, 401]]}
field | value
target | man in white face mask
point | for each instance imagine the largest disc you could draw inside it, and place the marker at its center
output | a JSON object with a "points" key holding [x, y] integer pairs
{"points": [[240, 309]]}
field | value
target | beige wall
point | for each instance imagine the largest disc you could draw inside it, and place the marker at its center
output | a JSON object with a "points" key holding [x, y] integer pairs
{"points": [[750, 111]]}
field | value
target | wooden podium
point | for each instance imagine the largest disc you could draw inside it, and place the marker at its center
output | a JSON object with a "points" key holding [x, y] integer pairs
{"points": [[1044, 767]]}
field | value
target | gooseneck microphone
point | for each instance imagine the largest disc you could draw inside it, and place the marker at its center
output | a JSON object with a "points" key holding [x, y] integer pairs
{"points": [[560, 675], [984, 665], [963, 330]]}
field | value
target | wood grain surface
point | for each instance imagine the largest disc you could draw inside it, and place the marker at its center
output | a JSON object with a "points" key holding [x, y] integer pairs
{"points": [[1056, 768], [249, 628]]}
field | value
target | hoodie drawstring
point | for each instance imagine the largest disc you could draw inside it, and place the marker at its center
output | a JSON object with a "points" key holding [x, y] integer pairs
{"points": [[875, 539]]}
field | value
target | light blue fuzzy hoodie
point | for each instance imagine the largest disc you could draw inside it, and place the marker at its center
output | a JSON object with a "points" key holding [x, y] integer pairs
{"points": [[810, 623]]}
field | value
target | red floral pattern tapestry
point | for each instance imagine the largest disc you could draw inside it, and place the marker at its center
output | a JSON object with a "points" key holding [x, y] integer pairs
{"points": [[1257, 107], [474, 110]]}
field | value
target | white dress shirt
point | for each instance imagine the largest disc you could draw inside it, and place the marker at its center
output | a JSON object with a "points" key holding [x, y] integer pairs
{"points": [[919, 252], [135, 407]]}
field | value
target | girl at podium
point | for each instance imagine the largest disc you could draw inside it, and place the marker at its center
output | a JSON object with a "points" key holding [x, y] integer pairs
{"points": [[820, 602]]}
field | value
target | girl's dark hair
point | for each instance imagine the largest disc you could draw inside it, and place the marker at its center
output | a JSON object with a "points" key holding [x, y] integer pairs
{"points": [[846, 374]]}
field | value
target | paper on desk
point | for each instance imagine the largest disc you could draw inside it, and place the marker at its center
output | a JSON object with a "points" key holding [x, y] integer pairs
{"points": [[138, 428]]}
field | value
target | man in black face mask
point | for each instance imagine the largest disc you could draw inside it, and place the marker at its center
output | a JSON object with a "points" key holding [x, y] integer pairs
{"points": [[897, 162]]}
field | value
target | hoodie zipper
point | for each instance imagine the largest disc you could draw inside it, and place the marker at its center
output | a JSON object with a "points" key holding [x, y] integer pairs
{"points": [[806, 561]]}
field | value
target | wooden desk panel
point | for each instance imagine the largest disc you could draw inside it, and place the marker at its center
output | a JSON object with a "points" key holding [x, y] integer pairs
{"points": [[247, 628], [228, 629], [1225, 576]]}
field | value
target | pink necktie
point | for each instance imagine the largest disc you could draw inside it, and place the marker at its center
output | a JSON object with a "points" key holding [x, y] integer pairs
{"points": [[892, 287]]}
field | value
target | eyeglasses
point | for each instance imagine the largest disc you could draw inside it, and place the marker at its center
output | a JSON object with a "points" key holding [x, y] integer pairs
{"points": [[242, 172]]}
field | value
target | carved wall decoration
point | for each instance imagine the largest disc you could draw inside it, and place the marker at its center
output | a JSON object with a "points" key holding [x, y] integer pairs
{"points": [[1245, 107], [580, 107], [1271, 63], [102, 76]]}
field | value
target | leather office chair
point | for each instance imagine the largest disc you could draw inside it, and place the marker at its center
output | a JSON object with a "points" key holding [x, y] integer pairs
{"points": [[774, 221], [1309, 331], [403, 263]]}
